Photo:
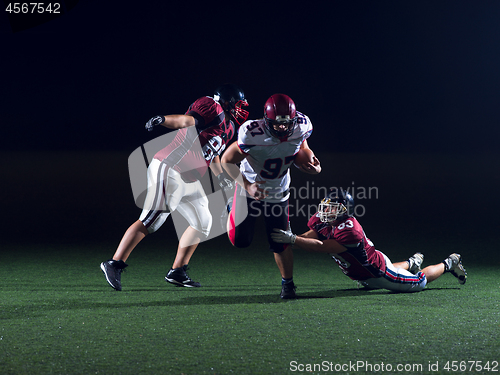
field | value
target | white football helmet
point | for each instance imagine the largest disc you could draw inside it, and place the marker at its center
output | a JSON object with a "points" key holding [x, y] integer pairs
{"points": [[338, 204]]}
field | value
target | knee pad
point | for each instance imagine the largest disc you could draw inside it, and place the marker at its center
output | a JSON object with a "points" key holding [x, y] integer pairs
{"points": [[204, 230]]}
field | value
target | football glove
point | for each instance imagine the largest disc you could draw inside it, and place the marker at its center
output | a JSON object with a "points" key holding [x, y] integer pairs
{"points": [[224, 182], [283, 236], [157, 120]]}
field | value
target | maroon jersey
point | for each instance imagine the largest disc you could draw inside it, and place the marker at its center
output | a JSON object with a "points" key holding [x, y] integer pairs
{"points": [[360, 261], [194, 148]]}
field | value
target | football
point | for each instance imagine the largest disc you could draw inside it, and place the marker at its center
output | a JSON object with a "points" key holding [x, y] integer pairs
{"points": [[303, 157]]}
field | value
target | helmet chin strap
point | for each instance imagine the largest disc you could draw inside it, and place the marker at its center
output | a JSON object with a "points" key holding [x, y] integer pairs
{"points": [[280, 134]]}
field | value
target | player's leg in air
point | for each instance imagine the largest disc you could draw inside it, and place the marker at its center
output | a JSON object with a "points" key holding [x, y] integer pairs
{"points": [[241, 220], [452, 264]]}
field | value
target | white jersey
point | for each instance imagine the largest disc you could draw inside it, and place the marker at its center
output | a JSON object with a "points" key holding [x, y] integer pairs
{"points": [[268, 158]]}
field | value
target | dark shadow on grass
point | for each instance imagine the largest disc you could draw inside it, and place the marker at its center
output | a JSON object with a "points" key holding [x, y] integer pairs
{"points": [[23, 312], [340, 293], [185, 297]]}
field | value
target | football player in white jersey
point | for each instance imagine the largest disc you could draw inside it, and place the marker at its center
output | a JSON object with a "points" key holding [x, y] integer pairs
{"points": [[265, 150]]}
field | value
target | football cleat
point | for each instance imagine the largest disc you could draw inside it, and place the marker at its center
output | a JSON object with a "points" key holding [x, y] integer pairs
{"points": [[179, 277], [456, 268], [112, 269], [288, 291], [415, 262]]}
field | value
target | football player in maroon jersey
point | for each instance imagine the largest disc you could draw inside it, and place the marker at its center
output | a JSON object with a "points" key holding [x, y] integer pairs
{"points": [[335, 230], [202, 134]]}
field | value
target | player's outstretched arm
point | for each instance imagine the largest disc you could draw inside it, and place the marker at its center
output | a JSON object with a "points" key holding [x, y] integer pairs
{"points": [[215, 166], [173, 122], [308, 241], [223, 178], [316, 246], [232, 156]]}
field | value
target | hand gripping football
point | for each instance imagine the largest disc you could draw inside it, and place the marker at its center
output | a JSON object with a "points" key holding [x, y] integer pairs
{"points": [[303, 157]]}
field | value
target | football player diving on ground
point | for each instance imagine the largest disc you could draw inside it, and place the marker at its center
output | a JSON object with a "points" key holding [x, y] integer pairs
{"points": [[334, 230]]}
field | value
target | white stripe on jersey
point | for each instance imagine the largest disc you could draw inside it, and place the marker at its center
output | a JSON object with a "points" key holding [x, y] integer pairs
{"points": [[268, 158]]}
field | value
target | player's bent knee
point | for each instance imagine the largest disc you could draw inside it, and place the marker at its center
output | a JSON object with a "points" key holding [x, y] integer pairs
{"points": [[152, 227], [201, 223], [153, 220], [277, 247], [240, 243], [204, 231], [239, 238]]}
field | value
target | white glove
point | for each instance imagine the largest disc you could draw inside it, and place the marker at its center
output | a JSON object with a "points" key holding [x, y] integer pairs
{"points": [[157, 120], [224, 182], [283, 236]]}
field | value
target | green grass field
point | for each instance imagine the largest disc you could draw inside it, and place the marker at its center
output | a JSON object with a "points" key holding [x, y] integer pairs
{"points": [[59, 316]]}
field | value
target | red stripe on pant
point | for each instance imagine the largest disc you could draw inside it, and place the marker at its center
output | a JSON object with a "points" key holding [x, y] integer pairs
{"points": [[231, 230]]}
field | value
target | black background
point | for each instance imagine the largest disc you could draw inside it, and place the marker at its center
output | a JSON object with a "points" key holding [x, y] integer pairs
{"points": [[374, 76], [384, 78]]}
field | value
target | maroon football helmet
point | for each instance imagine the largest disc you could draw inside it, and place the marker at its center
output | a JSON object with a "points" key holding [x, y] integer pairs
{"points": [[280, 115]]}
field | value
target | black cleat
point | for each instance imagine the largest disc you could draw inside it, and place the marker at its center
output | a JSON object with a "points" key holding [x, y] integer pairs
{"points": [[179, 277], [113, 271], [288, 291]]}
